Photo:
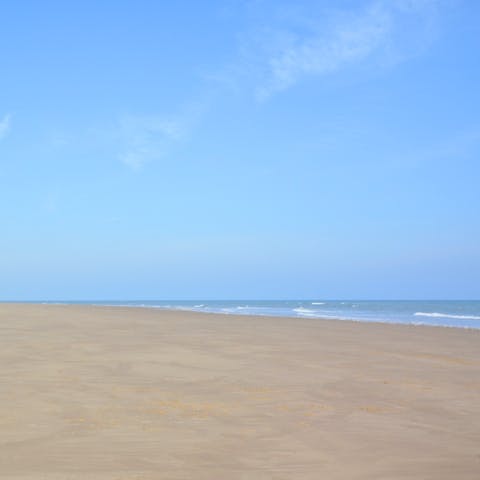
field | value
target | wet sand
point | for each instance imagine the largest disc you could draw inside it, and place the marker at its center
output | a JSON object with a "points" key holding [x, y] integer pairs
{"points": [[141, 394]]}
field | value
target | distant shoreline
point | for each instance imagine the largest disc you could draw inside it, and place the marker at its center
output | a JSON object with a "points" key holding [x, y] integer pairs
{"points": [[446, 313]]}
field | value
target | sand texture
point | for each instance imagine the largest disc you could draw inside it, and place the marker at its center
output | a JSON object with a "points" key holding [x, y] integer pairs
{"points": [[110, 393]]}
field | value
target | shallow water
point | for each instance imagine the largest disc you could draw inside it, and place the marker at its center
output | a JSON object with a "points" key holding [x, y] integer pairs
{"points": [[449, 313]]}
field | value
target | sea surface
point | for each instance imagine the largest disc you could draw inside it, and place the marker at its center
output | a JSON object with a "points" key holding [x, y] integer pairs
{"points": [[447, 313]]}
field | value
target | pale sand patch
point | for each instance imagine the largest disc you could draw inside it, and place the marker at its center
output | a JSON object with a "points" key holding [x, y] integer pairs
{"points": [[103, 393]]}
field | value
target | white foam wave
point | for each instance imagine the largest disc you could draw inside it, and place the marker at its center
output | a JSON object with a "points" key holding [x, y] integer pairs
{"points": [[446, 315], [304, 311], [318, 303]]}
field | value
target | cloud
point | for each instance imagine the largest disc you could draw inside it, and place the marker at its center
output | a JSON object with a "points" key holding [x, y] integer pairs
{"points": [[5, 124], [133, 139], [294, 45], [146, 138], [317, 43]]}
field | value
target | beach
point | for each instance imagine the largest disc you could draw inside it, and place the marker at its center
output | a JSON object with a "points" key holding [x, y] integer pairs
{"points": [[119, 393]]}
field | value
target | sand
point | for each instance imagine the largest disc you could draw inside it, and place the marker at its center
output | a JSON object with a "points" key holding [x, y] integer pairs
{"points": [[141, 394]]}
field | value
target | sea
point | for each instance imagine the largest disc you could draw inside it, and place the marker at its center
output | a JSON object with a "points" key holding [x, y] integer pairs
{"points": [[445, 313]]}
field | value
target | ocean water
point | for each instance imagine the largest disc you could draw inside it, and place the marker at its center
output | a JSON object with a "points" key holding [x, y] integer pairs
{"points": [[448, 313]]}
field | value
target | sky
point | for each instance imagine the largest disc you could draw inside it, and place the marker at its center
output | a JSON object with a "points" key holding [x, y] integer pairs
{"points": [[233, 149]]}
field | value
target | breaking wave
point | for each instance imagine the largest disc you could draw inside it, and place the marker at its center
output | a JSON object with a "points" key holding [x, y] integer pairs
{"points": [[446, 315]]}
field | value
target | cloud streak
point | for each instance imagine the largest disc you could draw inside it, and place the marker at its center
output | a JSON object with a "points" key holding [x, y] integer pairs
{"points": [[147, 138], [5, 125], [381, 33], [275, 58], [321, 54]]}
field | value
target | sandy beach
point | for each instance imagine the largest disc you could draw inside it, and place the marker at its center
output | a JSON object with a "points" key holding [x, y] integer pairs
{"points": [[111, 393]]}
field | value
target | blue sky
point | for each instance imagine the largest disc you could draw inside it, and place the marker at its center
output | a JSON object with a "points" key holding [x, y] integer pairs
{"points": [[239, 149]]}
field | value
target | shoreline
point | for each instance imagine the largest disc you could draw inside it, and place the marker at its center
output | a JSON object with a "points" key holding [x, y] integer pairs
{"points": [[255, 315]]}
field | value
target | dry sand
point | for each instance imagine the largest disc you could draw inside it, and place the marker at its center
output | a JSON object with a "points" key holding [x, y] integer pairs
{"points": [[135, 394]]}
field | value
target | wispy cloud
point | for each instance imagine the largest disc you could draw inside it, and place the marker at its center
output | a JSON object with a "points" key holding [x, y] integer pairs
{"points": [[277, 50], [133, 139], [324, 53], [146, 138], [5, 124], [276, 57]]}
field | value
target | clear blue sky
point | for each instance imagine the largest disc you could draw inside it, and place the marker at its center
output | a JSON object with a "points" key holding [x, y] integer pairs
{"points": [[239, 149]]}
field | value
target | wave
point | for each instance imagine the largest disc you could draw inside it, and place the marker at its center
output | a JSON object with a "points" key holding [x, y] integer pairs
{"points": [[318, 303], [305, 312], [446, 315]]}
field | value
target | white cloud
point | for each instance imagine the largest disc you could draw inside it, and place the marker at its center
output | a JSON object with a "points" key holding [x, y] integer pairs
{"points": [[146, 138], [319, 55], [133, 139], [5, 124], [384, 32]]}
